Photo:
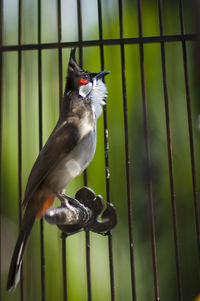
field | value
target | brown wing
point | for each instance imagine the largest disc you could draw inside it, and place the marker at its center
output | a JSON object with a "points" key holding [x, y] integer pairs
{"points": [[62, 140]]}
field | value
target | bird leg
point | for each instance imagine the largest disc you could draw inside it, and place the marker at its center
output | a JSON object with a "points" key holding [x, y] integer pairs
{"points": [[62, 197]]}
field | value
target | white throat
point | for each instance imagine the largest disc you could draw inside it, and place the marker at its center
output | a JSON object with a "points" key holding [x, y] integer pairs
{"points": [[98, 95]]}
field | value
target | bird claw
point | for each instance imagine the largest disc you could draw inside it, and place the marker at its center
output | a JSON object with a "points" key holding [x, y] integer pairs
{"points": [[82, 213]]}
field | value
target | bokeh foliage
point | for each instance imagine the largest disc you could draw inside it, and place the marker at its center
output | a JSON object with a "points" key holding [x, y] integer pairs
{"points": [[76, 268]]}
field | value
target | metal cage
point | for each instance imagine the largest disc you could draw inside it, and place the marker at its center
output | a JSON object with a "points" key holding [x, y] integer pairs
{"points": [[151, 217]]}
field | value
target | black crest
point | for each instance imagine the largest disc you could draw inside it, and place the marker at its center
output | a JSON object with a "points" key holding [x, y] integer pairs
{"points": [[73, 67], [75, 72]]}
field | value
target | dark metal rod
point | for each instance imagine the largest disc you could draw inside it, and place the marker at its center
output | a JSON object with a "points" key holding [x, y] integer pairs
{"points": [[146, 134], [170, 157], [64, 266], [189, 113], [137, 40], [1, 123], [80, 35], [128, 182], [80, 31], [106, 152], [127, 154], [59, 20], [88, 265], [59, 26], [60, 51], [111, 266], [85, 178], [19, 114], [20, 130], [42, 257], [40, 77]]}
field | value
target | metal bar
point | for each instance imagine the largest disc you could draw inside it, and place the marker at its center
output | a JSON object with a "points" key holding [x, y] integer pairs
{"points": [[64, 237], [59, 21], [40, 76], [127, 154], [121, 41], [80, 35], [146, 135], [170, 156], [1, 123], [60, 51], [20, 131], [106, 153], [42, 257], [64, 266], [192, 157], [88, 265], [85, 178], [19, 110]]}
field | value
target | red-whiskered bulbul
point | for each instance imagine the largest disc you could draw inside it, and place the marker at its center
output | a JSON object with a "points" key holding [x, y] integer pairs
{"points": [[66, 154]]}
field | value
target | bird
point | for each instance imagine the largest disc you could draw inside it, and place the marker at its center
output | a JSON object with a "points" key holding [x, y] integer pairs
{"points": [[67, 153]]}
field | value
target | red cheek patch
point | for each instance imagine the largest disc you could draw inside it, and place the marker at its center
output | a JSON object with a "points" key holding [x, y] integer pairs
{"points": [[82, 81]]}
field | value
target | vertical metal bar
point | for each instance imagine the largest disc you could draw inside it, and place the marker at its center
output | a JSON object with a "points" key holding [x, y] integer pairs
{"points": [[127, 154], [170, 157], [1, 120], [146, 134], [42, 257], [20, 130], [80, 32], [85, 178], [106, 153], [19, 108], [88, 264], [40, 76], [64, 263], [64, 266], [196, 14], [189, 113], [60, 50]]}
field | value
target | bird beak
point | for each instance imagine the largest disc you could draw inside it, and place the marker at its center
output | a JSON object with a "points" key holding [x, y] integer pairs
{"points": [[101, 74]]}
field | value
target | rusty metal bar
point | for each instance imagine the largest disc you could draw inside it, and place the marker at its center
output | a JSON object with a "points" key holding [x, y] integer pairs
{"points": [[106, 153], [170, 155], [127, 154]]}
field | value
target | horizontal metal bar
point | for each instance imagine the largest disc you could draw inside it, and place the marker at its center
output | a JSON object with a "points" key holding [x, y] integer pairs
{"points": [[138, 40]]}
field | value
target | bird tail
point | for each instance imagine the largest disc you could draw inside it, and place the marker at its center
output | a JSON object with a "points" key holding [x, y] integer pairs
{"points": [[16, 262]]}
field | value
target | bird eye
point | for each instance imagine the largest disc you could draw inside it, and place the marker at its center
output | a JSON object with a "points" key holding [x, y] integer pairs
{"points": [[82, 81]]}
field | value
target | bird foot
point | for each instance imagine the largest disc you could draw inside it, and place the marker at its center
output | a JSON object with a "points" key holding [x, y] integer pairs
{"points": [[82, 213]]}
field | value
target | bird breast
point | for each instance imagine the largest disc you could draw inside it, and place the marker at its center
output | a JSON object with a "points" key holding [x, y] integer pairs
{"points": [[77, 160]]}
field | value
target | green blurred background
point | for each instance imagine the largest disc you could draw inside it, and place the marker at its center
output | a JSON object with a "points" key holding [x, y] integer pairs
{"points": [[76, 268]]}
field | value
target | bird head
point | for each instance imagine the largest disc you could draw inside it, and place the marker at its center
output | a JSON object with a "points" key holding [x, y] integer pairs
{"points": [[86, 84]]}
